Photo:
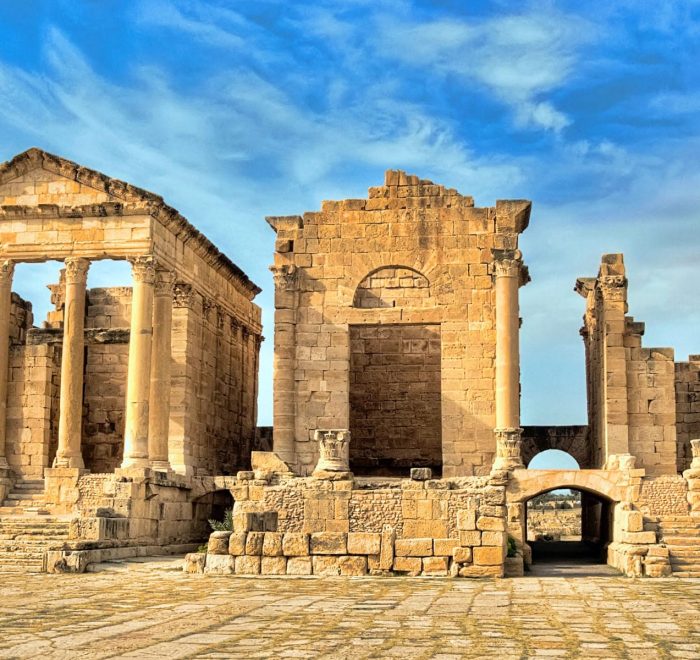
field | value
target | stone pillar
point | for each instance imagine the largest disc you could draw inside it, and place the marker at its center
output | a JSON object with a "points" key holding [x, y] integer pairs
{"points": [[286, 300], [508, 270], [70, 420], [7, 269], [139, 375], [159, 399]]}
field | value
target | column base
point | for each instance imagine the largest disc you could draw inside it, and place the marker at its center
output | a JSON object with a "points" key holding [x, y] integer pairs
{"points": [[135, 462], [69, 462], [161, 466]]}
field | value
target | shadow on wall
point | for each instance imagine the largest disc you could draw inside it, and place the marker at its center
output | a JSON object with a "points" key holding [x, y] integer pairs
{"points": [[212, 506]]}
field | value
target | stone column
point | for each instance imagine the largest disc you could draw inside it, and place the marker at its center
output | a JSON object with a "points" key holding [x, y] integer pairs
{"points": [[7, 269], [286, 298], [139, 375], [70, 420], [508, 270], [159, 400]]}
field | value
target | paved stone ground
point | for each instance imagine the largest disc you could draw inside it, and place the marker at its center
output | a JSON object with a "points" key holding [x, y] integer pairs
{"points": [[146, 611]]}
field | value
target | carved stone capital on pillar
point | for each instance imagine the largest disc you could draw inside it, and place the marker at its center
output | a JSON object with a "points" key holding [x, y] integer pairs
{"points": [[695, 449], [143, 269], [613, 287], [509, 263], [334, 454], [508, 445], [7, 269], [285, 277], [183, 295], [164, 282], [76, 270]]}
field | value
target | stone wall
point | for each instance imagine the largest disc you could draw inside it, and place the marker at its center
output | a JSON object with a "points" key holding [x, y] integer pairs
{"points": [[310, 526], [412, 253], [395, 412], [631, 389], [664, 495], [687, 376]]}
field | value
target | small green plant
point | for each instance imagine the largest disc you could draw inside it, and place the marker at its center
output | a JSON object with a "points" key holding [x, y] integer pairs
{"points": [[202, 549], [512, 547], [225, 525]]}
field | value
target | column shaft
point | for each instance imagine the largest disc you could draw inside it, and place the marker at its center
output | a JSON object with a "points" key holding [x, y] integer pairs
{"points": [[507, 349], [70, 420], [6, 272], [284, 362], [139, 375], [159, 401]]}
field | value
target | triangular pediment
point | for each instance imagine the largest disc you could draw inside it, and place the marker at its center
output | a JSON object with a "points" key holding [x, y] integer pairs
{"points": [[38, 177]]}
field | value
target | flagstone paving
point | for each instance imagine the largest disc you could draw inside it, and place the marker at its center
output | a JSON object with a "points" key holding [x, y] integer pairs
{"points": [[147, 611]]}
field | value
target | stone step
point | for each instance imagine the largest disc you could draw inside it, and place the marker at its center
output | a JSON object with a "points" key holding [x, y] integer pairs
{"points": [[686, 574], [685, 553]]}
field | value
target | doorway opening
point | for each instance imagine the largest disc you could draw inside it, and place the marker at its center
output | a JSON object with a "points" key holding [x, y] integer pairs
{"points": [[395, 408]]}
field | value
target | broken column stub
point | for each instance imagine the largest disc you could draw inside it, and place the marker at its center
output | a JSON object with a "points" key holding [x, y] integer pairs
{"points": [[333, 454]]}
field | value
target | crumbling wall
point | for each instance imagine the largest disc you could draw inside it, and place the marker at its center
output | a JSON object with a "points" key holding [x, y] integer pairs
{"points": [[412, 253], [687, 386]]}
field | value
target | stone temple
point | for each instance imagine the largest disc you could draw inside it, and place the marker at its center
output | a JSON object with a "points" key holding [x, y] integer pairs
{"points": [[128, 415]]}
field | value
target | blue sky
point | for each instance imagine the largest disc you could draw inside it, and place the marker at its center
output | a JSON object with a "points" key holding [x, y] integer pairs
{"points": [[237, 110]]}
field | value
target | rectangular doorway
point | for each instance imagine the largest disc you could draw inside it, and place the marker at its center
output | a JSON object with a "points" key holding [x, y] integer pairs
{"points": [[395, 409]]}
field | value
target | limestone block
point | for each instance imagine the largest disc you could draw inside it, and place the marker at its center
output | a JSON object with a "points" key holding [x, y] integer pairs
{"points": [[410, 565], [414, 547], [421, 474], [494, 538], [353, 565], [462, 555], [219, 564], [466, 519], [435, 565], [637, 537], [328, 543], [488, 556], [514, 566], [364, 543], [470, 538], [295, 544], [194, 562], [272, 544], [326, 566], [273, 566], [386, 553], [480, 571], [247, 565], [236, 543], [444, 547], [299, 566], [491, 524], [218, 543], [254, 543], [631, 521]]}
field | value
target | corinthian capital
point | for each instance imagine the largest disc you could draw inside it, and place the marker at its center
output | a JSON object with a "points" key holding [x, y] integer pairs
{"points": [[613, 287], [165, 282], [76, 269], [143, 269], [285, 277], [7, 269]]}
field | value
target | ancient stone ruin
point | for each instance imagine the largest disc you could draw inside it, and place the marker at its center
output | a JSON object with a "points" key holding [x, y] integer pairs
{"points": [[129, 417]]}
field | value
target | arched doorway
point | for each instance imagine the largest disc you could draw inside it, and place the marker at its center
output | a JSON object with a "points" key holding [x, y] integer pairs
{"points": [[212, 506], [568, 530]]}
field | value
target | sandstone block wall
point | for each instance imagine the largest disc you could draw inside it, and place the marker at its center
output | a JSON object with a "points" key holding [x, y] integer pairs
{"points": [[308, 526], [631, 389], [687, 386], [412, 253], [395, 411]]}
